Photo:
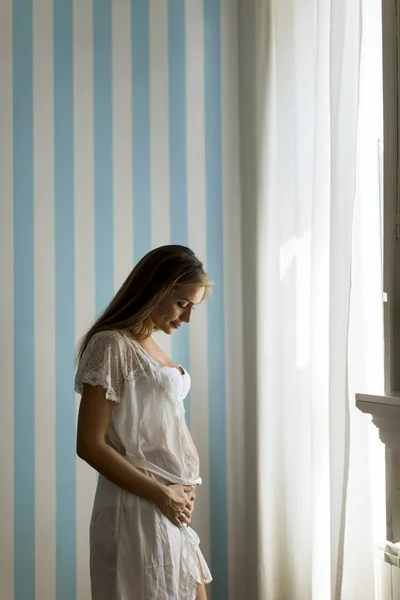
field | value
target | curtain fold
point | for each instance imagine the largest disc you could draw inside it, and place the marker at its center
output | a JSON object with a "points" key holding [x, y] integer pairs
{"points": [[306, 97]]}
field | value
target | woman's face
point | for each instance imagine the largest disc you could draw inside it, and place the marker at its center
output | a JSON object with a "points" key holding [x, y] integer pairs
{"points": [[177, 308]]}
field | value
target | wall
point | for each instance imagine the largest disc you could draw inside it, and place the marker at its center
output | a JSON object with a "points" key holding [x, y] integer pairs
{"points": [[118, 133]]}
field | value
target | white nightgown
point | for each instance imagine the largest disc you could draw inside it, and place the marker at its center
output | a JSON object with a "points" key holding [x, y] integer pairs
{"points": [[136, 553]]}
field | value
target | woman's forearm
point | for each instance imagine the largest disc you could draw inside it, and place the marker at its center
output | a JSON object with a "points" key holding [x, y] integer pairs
{"points": [[109, 463]]}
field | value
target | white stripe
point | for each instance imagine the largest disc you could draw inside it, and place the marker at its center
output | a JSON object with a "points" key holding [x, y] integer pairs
{"points": [[6, 306], [195, 128], [44, 315], [159, 123], [84, 252], [159, 135], [197, 241], [122, 140], [165, 342], [233, 307]]}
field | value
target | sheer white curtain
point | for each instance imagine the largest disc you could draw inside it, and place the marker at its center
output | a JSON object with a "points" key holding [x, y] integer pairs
{"points": [[308, 56]]}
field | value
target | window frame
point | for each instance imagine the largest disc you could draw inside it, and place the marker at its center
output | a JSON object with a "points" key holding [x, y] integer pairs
{"points": [[391, 244], [391, 235]]}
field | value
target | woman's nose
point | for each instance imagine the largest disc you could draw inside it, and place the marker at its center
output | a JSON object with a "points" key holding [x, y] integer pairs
{"points": [[187, 315]]}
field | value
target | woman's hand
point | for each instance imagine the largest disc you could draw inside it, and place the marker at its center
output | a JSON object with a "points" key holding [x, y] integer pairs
{"points": [[192, 498], [177, 504]]}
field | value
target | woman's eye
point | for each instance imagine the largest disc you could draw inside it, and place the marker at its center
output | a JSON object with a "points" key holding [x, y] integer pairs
{"points": [[182, 306]]}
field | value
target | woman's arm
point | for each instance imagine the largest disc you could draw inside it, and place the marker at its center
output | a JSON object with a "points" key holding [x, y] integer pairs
{"points": [[93, 421]]}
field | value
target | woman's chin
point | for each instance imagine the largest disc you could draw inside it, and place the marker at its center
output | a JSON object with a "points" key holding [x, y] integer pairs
{"points": [[168, 329]]}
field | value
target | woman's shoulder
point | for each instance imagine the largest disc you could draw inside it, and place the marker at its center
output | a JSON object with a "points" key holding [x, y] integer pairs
{"points": [[112, 348], [117, 337], [116, 341], [108, 335]]}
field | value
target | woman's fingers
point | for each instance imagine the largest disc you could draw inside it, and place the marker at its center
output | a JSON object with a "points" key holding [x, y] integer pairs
{"points": [[185, 519], [180, 505], [177, 522]]}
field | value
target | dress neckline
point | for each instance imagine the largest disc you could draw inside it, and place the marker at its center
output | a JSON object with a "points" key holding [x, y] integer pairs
{"points": [[182, 372]]}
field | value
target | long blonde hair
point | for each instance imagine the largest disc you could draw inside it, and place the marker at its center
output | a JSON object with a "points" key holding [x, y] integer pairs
{"points": [[153, 278]]}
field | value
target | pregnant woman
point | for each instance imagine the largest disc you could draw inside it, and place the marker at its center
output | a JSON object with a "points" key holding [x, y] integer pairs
{"points": [[132, 430]]}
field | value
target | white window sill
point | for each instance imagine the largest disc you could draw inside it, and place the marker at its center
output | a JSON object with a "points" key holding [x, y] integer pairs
{"points": [[385, 411]]}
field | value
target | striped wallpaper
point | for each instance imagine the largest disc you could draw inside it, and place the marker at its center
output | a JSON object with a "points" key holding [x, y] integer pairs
{"points": [[118, 133]]}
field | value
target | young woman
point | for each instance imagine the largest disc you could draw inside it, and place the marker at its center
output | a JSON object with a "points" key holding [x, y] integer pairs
{"points": [[132, 430]]}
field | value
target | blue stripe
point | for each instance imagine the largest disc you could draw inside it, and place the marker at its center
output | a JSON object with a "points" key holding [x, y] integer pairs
{"points": [[177, 154], [103, 154], [216, 326], [64, 301], [141, 128], [24, 385]]}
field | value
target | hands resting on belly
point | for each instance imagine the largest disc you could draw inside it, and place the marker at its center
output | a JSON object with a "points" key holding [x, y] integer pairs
{"points": [[178, 503]]}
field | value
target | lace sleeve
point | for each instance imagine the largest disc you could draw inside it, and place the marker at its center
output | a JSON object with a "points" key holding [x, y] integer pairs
{"points": [[103, 363]]}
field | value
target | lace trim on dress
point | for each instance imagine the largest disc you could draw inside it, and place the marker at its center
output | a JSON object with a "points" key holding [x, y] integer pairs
{"points": [[194, 569], [108, 361]]}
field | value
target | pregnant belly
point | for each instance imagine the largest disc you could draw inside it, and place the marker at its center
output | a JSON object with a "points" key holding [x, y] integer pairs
{"points": [[169, 476]]}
